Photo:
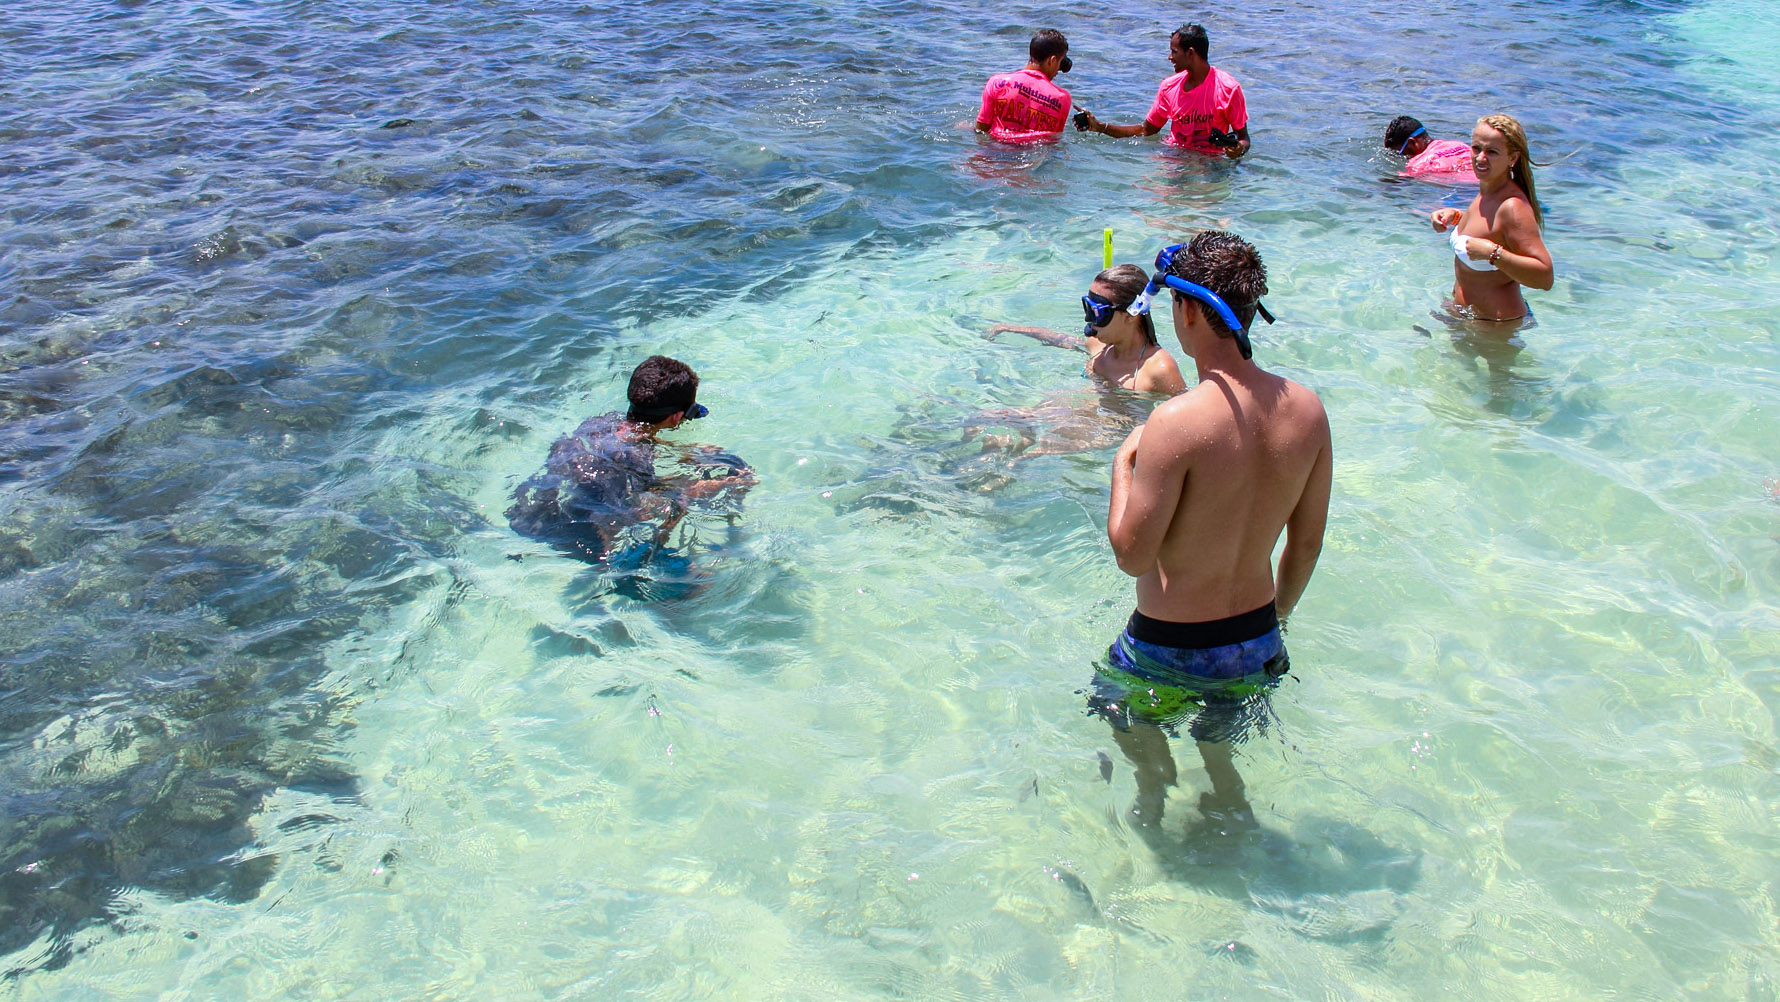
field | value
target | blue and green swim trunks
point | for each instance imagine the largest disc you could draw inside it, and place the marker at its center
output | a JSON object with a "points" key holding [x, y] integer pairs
{"points": [[1219, 673]]}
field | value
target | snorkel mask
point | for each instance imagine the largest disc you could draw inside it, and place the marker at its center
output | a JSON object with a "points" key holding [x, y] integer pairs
{"points": [[1097, 311], [660, 414], [1164, 260]]}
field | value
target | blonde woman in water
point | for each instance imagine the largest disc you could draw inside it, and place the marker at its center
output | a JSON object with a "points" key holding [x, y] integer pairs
{"points": [[1495, 242]]}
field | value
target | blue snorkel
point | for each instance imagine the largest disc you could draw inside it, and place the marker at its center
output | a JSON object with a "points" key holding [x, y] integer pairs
{"points": [[1164, 260]]}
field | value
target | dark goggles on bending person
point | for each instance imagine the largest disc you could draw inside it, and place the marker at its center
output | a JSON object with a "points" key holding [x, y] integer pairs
{"points": [[660, 414]]}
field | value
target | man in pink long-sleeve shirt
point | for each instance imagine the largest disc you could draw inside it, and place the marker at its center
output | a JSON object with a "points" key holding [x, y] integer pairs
{"points": [[1435, 159]]}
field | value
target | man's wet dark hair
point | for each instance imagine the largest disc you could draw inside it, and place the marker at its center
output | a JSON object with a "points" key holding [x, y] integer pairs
{"points": [[1193, 37], [1229, 266], [1047, 42], [660, 387], [1398, 132]]}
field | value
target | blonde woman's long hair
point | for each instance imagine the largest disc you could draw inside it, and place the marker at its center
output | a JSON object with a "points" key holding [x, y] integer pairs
{"points": [[1522, 171]]}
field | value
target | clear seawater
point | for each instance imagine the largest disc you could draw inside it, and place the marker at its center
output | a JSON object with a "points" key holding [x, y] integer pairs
{"points": [[293, 294]]}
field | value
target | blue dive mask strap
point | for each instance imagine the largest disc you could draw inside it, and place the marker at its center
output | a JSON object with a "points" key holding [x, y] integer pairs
{"points": [[1218, 306], [1418, 131], [1164, 258], [1141, 305]]}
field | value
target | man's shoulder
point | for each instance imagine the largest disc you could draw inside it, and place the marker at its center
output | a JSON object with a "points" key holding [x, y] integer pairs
{"points": [[1304, 409], [1171, 82], [1199, 402], [1225, 81]]}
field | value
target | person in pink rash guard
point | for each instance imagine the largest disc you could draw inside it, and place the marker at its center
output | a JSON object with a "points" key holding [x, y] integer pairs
{"points": [[1202, 104], [1025, 106], [1434, 159]]}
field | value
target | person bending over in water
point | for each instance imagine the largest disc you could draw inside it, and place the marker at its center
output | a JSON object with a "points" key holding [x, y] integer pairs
{"points": [[1495, 242], [1438, 159], [1200, 494], [1120, 340], [599, 497], [1202, 105]]}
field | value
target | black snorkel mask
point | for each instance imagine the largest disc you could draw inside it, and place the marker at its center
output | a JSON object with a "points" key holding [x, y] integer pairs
{"points": [[1066, 65], [659, 414], [1164, 260]]}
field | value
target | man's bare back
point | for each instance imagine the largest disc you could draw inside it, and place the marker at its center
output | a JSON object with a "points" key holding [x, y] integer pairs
{"points": [[1222, 469], [1201, 493]]}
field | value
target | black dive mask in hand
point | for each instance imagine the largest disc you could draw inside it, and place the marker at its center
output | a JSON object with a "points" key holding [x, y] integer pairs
{"points": [[1225, 139]]}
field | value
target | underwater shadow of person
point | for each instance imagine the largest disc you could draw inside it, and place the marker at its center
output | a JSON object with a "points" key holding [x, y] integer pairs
{"points": [[1346, 885]]}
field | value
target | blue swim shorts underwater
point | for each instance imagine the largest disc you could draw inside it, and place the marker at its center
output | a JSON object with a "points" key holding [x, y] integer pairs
{"points": [[1217, 673]]}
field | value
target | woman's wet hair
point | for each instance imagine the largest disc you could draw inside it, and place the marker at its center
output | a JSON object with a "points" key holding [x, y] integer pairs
{"points": [[1229, 266], [1193, 37], [1127, 282], [659, 384], [1047, 42], [1522, 171], [1398, 132]]}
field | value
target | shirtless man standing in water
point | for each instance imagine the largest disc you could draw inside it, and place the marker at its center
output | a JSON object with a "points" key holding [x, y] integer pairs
{"points": [[1200, 495]]}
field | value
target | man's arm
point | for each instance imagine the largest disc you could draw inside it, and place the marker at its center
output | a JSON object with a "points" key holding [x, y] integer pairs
{"points": [[1241, 147], [1149, 474], [1118, 131], [1304, 530], [986, 110], [1236, 113]]}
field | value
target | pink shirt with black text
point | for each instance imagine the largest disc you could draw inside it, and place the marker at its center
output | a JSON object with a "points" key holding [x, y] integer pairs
{"points": [[1216, 103], [1023, 106]]}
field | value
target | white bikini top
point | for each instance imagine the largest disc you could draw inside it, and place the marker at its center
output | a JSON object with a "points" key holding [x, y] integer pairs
{"points": [[1457, 240]]}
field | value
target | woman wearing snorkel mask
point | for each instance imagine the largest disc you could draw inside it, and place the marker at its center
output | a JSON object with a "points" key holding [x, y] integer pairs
{"points": [[1495, 241], [1121, 346]]}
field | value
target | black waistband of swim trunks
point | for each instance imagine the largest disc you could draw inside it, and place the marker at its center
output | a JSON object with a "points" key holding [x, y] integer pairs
{"points": [[1211, 633]]}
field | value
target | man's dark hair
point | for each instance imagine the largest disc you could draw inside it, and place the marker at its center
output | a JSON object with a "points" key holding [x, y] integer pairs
{"points": [[660, 388], [1193, 37], [1398, 132], [1047, 42], [1229, 266]]}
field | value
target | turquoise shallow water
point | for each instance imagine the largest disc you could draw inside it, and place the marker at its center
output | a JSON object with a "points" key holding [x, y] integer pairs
{"points": [[295, 294]]}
